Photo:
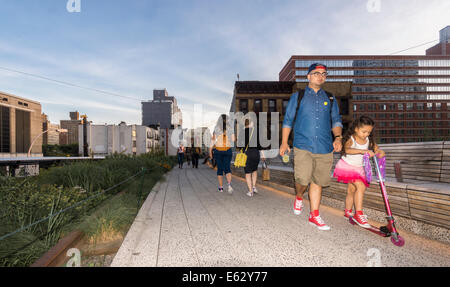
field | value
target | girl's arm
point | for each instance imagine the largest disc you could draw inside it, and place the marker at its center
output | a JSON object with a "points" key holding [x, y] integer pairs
{"points": [[350, 150], [377, 150]]}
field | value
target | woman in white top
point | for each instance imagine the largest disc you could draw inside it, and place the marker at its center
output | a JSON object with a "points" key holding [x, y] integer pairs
{"points": [[358, 140], [180, 153]]}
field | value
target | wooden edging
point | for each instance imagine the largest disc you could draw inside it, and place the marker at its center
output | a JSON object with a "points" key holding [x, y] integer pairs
{"points": [[57, 254]]}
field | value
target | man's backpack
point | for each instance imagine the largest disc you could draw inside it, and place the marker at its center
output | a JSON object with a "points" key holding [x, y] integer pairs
{"points": [[301, 93]]}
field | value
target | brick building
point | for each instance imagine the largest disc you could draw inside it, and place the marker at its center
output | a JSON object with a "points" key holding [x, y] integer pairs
{"points": [[20, 124], [72, 129], [407, 96], [443, 47], [273, 96]]}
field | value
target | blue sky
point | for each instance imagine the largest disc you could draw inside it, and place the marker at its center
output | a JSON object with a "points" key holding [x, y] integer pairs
{"points": [[194, 49]]}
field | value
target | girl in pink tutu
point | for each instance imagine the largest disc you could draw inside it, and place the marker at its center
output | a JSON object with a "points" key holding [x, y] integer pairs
{"points": [[358, 140]]}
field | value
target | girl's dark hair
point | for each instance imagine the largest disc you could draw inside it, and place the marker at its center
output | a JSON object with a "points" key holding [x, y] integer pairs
{"points": [[359, 122]]}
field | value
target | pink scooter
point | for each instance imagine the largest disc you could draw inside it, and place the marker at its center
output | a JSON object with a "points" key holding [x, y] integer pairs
{"points": [[389, 229]]}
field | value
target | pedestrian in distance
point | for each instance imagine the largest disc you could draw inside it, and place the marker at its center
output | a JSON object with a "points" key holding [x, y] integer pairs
{"points": [[312, 114], [188, 153], [180, 154], [195, 155], [222, 140], [358, 140]]}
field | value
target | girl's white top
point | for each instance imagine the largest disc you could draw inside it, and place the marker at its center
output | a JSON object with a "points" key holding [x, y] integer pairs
{"points": [[356, 159]]}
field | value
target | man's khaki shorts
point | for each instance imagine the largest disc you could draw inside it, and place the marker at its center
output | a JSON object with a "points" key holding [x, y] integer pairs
{"points": [[310, 167]]}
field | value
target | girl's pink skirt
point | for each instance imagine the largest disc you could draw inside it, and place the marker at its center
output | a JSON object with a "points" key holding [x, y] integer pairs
{"points": [[346, 173]]}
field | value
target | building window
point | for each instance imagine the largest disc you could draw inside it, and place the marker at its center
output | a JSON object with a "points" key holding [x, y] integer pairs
{"points": [[409, 106], [354, 107], [23, 128], [429, 106], [243, 106], [419, 106], [438, 115], [400, 124], [257, 106], [4, 130], [361, 107], [344, 106], [371, 107], [400, 107], [438, 106], [272, 106]]}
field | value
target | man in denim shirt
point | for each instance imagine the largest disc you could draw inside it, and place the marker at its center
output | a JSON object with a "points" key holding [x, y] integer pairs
{"points": [[313, 142]]}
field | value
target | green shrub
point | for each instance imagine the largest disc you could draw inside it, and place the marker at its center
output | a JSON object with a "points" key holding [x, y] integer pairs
{"points": [[26, 200]]}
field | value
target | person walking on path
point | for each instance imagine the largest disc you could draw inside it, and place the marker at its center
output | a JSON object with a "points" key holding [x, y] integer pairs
{"points": [[180, 153], [195, 155], [253, 150], [312, 114], [222, 139], [358, 140]]}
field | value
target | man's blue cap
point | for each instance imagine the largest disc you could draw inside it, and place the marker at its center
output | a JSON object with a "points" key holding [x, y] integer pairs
{"points": [[316, 66]]}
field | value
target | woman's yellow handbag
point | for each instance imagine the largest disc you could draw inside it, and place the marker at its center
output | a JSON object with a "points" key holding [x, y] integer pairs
{"points": [[241, 158]]}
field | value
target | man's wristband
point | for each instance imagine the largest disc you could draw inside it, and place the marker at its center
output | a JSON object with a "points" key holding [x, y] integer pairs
{"points": [[339, 136]]}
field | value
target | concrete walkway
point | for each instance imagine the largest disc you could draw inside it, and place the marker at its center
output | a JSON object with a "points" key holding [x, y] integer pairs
{"points": [[186, 222]]}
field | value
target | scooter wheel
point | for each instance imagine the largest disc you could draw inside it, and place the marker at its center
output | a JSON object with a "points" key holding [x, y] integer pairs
{"points": [[351, 221], [399, 242]]}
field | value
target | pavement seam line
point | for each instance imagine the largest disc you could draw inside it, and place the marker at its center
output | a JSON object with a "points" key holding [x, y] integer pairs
{"points": [[187, 219], [162, 216], [224, 235]]}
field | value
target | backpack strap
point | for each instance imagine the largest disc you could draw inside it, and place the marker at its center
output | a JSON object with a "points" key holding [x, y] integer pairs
{"points": [[331, 98], [300, 95]]}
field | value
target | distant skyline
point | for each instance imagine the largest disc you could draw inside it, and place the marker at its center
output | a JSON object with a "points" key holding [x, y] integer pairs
{"points": [[193, 49]]}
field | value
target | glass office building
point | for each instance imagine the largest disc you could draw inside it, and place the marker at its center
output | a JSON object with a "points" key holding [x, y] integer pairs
{"points": [[407, 96]]}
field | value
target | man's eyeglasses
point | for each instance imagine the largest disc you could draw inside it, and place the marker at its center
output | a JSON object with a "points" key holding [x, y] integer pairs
{"points": [[324, 74]]}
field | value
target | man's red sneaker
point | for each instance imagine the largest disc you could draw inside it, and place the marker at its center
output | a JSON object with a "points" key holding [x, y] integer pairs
{"points": [[315, 219], [298, 206]]}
